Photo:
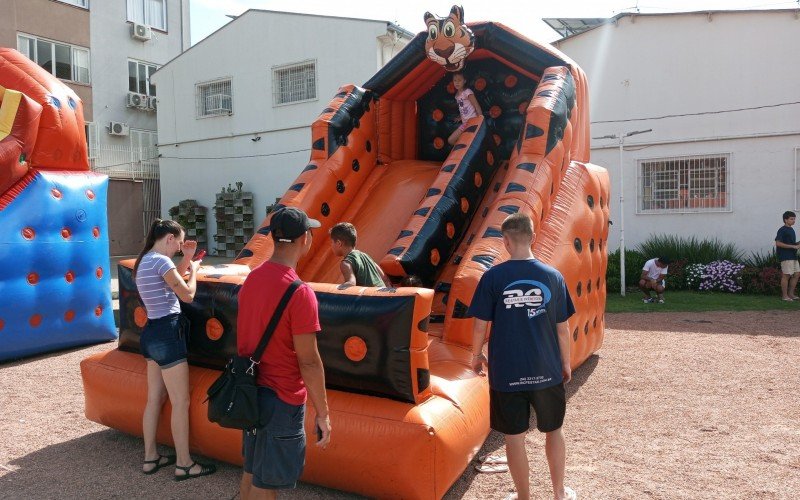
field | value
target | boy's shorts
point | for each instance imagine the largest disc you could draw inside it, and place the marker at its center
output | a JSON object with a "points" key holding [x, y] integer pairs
{"points": [[163, 340], [275, 453], [510, 412], [790, 266]]}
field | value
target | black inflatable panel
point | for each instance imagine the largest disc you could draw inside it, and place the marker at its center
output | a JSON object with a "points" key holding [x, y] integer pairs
{"points": [[384, 324]]}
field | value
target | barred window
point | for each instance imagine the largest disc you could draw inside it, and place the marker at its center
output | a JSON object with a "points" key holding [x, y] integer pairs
{"points": [[214, 98], [684, 184], [294, 83]]}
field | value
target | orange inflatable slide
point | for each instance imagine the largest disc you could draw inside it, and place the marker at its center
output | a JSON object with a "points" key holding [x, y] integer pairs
{"points": [[408, 413]]}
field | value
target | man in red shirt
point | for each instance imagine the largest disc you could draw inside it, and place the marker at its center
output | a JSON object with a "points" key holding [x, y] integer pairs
{"points": [[290, 369]]}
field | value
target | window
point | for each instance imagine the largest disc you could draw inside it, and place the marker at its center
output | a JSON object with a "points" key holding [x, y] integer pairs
{"points": [[139, 74], [77, 3], [684, 184], [214, 98], [91, 141], [294, 83], [64, 61], [143, 145], [150, 12]]}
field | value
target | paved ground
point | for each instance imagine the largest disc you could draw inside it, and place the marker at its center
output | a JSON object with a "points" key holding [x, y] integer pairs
{"points": [[675, 405]]}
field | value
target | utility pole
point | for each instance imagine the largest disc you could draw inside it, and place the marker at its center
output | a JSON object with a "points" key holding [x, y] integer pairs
{"points": [[621, 138]]}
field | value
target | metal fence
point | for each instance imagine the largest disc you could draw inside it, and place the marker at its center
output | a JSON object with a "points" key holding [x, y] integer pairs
{"points": [[135, 164]]}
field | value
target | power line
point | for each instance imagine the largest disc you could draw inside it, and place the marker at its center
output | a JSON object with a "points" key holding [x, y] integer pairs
{"points": [[698, 114], [232, 157]]}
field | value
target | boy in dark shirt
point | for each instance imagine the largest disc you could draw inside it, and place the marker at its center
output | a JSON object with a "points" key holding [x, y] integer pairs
{"points": [[786, 245], [357, 267], [528, 305]]}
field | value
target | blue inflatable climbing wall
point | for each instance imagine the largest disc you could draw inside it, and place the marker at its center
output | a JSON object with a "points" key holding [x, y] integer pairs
{"points": [[54, 264]]}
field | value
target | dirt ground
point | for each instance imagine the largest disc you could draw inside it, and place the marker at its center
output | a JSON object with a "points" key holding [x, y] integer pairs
{"points": [[675, 405]]}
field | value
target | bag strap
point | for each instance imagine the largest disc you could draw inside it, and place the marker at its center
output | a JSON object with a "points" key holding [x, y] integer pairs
{"points": [[273, 322]]}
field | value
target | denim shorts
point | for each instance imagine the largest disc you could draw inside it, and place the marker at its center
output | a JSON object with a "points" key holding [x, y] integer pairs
{"points": [[163, 340], [275, 452]]}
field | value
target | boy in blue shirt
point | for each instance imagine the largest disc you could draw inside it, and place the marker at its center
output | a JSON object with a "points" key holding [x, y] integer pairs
{"points": [[529, 307], [786, 245]]}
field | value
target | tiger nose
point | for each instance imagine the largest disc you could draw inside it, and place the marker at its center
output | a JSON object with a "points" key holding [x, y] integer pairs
{"points": [[444, 53]]}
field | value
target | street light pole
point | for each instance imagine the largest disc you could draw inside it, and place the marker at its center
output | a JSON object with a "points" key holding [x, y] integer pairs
{"points": [[621, 138]]}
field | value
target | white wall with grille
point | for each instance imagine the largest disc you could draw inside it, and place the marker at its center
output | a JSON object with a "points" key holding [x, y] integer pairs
{"points": [[721, 160]]}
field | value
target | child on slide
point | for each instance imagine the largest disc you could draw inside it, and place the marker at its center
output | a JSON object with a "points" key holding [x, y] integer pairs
{"points": [[468, 106]]}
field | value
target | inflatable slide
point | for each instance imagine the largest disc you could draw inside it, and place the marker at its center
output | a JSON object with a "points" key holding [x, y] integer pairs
{"points": [[407, 411], [54, 264]]}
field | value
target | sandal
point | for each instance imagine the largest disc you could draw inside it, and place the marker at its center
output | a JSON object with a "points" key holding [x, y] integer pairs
{"points": [[205, 470], [491, 467], [158, 464]]}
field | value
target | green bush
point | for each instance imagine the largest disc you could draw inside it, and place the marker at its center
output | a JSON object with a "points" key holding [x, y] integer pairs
{"points": [[692, 250], [676, 278], [760, 259], [634, 261]]}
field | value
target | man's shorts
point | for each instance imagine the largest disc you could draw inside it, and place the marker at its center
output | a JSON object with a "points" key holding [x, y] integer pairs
{"points": [[790, 266], [163, 340], [275, 453], [510, 412]]}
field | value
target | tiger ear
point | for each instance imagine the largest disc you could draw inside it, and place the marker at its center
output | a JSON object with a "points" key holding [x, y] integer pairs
{"points": [[429, 17], [457, 11]]}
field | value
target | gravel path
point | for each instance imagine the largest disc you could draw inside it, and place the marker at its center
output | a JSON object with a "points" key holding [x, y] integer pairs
{"points": [[675, 405]]}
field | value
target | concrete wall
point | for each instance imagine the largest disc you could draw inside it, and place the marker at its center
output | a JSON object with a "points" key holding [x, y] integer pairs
{"points": [[112, 46], [652, 66], [48, 19], [245, 50]]}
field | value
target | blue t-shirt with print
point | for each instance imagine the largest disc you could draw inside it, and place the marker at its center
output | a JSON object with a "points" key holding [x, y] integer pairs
{"points": [[524, 300], [786, 235]]}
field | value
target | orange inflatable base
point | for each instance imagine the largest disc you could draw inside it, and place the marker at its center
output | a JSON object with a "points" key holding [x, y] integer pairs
{"points": [[379, 447]]}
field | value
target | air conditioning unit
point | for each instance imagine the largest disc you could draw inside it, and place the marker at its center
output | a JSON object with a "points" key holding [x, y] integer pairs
{"points": [[141, 32], [218, 104], [118, 128], [152, 105], [135, 100]]}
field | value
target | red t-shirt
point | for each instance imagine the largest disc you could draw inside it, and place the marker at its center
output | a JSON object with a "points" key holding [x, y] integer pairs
{"points": [[258, 298]]}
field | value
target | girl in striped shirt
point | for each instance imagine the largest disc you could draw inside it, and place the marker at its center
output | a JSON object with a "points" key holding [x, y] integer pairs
{"points": [[163, 343]]}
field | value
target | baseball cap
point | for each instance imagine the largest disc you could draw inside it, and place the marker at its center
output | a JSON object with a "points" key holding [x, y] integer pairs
{"points": [[289, 223]]}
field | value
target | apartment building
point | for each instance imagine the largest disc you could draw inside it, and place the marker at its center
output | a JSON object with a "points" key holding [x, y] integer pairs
{"points": [[106, 51]]}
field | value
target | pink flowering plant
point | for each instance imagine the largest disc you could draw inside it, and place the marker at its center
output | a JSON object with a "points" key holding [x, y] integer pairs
{"points": [[722, 276]]}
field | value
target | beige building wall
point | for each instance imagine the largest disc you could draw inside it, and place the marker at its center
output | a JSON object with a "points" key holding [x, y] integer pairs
{"points": [[50, 19]]}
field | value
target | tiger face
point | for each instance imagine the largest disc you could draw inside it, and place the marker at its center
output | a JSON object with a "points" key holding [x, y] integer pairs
{"points": [[449, 40]]}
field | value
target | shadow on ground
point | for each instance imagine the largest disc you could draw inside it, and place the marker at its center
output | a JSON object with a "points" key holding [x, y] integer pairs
{"points": [[106, 464]]}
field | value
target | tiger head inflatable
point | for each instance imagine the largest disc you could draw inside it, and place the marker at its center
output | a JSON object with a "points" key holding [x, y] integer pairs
{"points": [[449, 40]]}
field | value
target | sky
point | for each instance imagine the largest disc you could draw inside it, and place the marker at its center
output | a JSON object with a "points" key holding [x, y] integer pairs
{"points": [[209, 15]]}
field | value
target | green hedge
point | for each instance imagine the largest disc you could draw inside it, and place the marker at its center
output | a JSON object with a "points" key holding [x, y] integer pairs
{"points": [[761, 274]]}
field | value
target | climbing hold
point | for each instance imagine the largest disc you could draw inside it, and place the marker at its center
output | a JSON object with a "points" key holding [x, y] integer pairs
{"points": [[214, 329], [355, 348]]}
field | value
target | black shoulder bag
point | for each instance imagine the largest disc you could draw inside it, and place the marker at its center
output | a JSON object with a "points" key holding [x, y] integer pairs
{"points": [[233, 397]]}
